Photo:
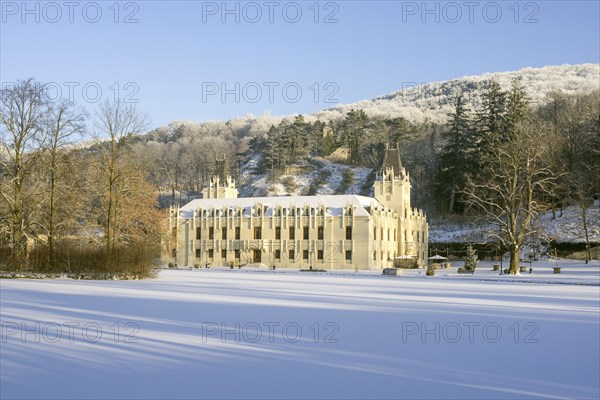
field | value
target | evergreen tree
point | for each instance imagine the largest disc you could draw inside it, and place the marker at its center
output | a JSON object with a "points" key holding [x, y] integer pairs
{"points": [[399, 128], [457, 155], [491, 121], [272, 151], [471, 259], [517, 108], [354, 133]]}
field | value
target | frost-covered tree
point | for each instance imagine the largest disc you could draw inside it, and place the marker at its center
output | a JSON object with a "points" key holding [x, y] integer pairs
{"points": [[511, 196]]}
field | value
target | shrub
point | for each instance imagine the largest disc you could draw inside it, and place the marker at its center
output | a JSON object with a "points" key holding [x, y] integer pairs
{"points": [[128, 260]]}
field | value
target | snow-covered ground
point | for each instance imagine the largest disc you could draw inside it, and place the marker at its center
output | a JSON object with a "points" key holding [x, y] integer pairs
{"points": [[255, 185], [285, 334]]}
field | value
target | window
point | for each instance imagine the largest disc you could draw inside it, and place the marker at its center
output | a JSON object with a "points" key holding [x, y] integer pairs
{"points": [[198, 253], [388, 233], [223, 233], [348, 233], [173, 253], [198, 233], [257, 232], [224, 253], [277, 232], [292, 233], [374, 233], [305, 233], [237, 233], [305, 254], [277, 254], [374, 255], [319, 254], [348, 255], [237, 254], [211, 233], [320, 233], [211, 253], [291, 255]]}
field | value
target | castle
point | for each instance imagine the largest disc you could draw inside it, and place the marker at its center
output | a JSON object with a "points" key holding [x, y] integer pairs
{"points": [[319, 232]]}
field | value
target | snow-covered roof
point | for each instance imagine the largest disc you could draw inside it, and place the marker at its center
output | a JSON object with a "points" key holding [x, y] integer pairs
{"points": [[334, 204]]}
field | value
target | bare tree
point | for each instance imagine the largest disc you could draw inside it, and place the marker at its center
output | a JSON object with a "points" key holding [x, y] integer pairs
{"points": [[23, 109], [517, 179], [64, 122], [116, 124]]}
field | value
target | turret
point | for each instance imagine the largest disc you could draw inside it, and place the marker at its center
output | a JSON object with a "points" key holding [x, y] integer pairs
{"points": [[217, 191]]}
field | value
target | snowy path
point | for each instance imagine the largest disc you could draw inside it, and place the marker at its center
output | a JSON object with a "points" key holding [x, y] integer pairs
{"points": [[298, 335]]}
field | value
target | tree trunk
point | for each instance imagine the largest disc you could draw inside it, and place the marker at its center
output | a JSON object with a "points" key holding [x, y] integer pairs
{"points": [[451, 201], [585, 229], [514, 259], [18, 236], [51, 210]]}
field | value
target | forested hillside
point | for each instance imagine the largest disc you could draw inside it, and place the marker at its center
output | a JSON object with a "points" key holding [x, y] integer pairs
{"points": [[282, 155]]}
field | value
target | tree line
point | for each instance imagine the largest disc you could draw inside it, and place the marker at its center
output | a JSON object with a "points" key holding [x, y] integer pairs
{"points": [[66, 207]]}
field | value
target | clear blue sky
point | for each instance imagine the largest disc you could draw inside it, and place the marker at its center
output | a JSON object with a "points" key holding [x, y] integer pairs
{"points": [[181, 51]]}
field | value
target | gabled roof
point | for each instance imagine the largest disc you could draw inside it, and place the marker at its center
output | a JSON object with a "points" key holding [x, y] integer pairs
{"points": [[334, 204]]}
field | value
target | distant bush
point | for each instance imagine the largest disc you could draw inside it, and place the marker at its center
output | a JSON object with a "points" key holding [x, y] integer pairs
{"points": [[289, 182], [348, 177]]}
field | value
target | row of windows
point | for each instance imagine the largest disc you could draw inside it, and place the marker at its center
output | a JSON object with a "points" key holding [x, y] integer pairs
{"points": [[211, 253], [292, 212], [420, 236], [211, 233], [381, 237], [291, 254], [258, 233]]}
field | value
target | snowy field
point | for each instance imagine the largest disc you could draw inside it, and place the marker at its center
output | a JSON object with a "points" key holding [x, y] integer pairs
{"points": [[262, 334]]}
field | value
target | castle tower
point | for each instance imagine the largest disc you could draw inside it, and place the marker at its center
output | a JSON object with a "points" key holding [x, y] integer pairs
{"points": [[216, 190], [392, 189], [392, 185]]}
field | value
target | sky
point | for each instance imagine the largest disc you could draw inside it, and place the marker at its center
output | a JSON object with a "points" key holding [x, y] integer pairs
{"points": [[214, 60]]}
